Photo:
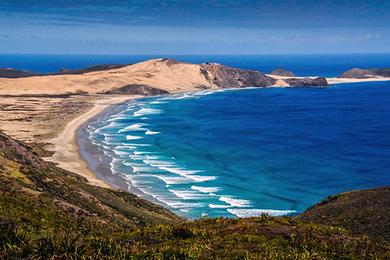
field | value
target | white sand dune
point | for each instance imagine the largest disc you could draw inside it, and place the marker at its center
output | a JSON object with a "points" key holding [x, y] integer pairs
{"points": [[158, 73]]}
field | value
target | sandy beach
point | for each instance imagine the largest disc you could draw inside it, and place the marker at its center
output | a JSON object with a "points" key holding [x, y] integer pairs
{"points": [[354, 80], [65, 147]]}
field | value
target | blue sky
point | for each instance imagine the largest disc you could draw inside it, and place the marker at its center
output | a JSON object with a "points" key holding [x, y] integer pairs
{"points": [[194, 27]]}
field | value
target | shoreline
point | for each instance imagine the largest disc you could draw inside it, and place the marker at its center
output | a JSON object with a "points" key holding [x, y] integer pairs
{"points": [[66, 148]]}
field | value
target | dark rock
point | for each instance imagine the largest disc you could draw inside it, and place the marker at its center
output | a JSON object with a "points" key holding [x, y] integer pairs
{"points": [[138, 89], [365, 73], [307, 82], [227, 77], [100, 67], [283, 73], [14, 73]]}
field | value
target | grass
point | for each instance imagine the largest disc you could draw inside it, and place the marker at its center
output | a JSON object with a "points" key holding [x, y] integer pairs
{"points": [[49, 213]]}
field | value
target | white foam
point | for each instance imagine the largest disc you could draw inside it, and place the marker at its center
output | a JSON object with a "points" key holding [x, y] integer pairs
{"points": [[157, 102], [218, 206], [205, 189], [109, 139], [179, 171], [133, 137], [151, 133], [158, 163], [173, 180], [114, 164], [111, 125], [142, 152], [115, 118], [147, 111], [235, 202], [133, 127], [188, 194], [128, 146], [137, 169], [188, 174], [180, 204], [242, 213], [137, 157], [199, 178], [136, 145], [119, 153]]}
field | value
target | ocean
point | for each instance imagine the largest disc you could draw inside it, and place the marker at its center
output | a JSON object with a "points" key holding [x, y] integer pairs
{"points": [[238, 153], [247, 152]]}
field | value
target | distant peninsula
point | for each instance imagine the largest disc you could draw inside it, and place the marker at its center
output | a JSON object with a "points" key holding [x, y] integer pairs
{"points": [[366, 73], [166, 75]]}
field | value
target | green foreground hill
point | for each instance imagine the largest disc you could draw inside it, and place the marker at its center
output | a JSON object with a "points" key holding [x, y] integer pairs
{"points": [[47, 212]]}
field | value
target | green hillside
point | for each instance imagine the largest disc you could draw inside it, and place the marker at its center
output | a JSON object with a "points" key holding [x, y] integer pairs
{"points": [[49, 213]]}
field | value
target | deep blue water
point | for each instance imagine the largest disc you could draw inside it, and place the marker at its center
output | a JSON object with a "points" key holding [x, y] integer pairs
{"points": [[301, 65], [244, 152]]}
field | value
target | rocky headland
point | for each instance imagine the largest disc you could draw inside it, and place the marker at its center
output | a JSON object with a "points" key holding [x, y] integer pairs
{"points": [[366, 73], [167, 75], [282, 72]]}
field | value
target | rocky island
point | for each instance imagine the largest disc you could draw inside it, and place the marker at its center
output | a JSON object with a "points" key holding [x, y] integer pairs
{"points": [[365, 73], [282, 72]]}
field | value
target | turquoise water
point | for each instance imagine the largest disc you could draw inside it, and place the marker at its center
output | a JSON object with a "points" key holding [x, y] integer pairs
{"points": [[245, 152]]}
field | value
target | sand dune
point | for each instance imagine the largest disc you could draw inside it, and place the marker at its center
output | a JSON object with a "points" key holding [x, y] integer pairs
{"points": [[158, 73]]}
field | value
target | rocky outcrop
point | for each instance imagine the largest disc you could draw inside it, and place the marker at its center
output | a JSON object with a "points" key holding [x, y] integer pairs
{"points": [[282, 72], [137, 89], [94, 68], [365, 73], [227, 77], [14, 73], [307, 82]]}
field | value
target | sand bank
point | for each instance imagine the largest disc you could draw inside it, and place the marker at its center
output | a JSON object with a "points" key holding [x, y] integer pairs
{"points": [[354, 80], [65, 147]]}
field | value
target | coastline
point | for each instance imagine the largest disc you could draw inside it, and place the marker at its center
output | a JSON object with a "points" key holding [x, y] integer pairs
{"points": [[66, 149]]}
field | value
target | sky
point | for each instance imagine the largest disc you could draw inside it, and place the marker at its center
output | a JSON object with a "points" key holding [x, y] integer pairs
{"points": [[194, 27]]}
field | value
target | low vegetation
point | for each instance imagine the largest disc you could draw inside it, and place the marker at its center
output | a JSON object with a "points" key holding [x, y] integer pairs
{"points": [[49, 213]]}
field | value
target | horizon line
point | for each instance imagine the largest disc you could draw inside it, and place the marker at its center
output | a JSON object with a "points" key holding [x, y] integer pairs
{"points": [[186, 54]]}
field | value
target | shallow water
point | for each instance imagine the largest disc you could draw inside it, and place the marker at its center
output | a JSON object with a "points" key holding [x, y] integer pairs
{"points": [[245, 152]]}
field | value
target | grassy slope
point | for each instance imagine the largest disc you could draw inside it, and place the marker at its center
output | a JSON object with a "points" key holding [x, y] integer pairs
{"points": [[47, 212], [362, 212]]}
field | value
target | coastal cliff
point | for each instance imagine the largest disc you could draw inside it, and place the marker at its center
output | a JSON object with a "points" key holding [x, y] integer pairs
{"points": [[167, 75]]}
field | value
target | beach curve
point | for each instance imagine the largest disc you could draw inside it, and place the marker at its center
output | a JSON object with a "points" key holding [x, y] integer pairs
{"points": [[66, 149]]}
